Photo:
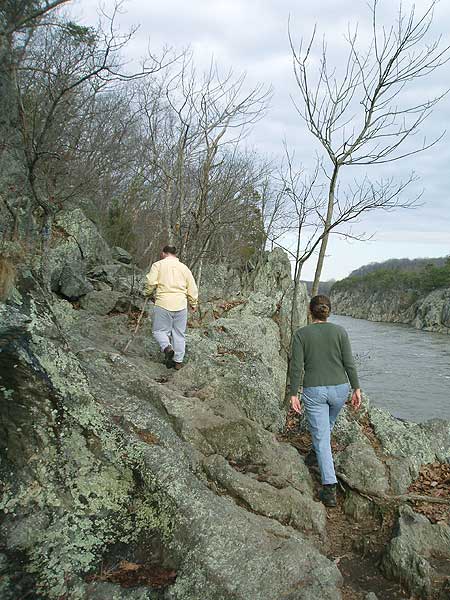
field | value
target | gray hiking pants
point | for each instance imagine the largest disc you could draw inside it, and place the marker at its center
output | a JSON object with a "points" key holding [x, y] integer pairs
{"points": [[169, 327]]}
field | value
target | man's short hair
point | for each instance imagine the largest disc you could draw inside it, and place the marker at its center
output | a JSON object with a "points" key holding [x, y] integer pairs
{"points": [[169, 250]]}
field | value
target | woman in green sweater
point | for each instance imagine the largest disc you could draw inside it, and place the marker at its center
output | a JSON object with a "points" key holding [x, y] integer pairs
{"points": [[322, 364]]}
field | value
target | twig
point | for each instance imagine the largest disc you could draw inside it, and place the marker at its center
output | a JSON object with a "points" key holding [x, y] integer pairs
{"points": [[136, 328]]}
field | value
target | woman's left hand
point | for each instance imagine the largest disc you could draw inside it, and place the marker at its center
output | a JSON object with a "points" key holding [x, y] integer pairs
{"points": [[296, 405]]}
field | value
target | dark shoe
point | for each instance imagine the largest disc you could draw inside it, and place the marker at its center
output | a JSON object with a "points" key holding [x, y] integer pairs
{"points": [[177, 366], [169, 352], [328, 495], [311, 459]]}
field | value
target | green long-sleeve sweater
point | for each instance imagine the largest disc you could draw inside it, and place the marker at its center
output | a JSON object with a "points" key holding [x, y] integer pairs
{"points": [[321, 355]]}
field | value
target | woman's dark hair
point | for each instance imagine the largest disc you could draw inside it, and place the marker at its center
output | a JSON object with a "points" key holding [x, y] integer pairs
{"points": [[169, 250], [320, 307]]}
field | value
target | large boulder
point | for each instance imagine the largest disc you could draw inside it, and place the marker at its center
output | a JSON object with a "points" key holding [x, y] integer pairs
{"points": [[75, 239], [419, 553], [100, 303], [72, 283], [240, 363], [360, 464], [421, 442], [121, 255]]}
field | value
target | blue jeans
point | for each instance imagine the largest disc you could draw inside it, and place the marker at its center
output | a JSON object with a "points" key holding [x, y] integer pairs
{"points": [[322, 405]]}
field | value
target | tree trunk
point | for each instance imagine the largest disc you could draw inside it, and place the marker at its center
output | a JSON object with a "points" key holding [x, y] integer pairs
{"points": [[167, 213], [14, 184], [324, 243]]}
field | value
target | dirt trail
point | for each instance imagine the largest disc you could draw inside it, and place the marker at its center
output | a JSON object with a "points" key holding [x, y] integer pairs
{"points": [[355, 547]]}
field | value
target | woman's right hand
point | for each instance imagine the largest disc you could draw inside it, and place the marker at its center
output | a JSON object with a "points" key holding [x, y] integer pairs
{"points": [[295, 403], [356, 399]]}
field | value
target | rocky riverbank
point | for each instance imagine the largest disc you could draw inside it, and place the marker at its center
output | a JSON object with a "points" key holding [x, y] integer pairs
{"points": [[429, 312], [124, 480]]}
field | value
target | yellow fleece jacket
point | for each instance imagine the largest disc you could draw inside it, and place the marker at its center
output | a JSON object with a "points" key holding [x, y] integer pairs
{"points": [[174, 284]]}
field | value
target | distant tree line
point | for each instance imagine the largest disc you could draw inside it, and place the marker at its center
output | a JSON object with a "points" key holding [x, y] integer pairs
{"points": [[402, 264], [420, 275]]}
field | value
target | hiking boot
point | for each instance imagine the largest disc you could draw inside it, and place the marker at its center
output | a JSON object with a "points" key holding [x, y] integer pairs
{"points": [[177, 365], [169, 352], [311, 459], [328, 495]]}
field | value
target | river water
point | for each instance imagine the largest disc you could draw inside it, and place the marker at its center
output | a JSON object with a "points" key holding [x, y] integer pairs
{"points": [[402, 369]]}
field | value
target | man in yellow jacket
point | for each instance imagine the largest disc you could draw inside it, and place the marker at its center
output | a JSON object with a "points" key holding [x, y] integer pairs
{"points": [[174, 286]]}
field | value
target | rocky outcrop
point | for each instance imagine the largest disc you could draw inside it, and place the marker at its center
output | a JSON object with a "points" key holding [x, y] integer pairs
{"points": [[430, 312], [109, 457], [419, 553], [112, 461]]}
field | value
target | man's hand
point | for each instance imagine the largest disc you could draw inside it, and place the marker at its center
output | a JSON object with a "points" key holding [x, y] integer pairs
{"points": [[356, 399], [296, 405]]}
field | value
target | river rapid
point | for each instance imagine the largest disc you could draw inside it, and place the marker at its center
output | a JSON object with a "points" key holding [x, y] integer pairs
{"points": [[402, 369]]}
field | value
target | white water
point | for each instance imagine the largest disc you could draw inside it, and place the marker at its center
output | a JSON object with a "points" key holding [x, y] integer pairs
{"points": [[402, 369]]}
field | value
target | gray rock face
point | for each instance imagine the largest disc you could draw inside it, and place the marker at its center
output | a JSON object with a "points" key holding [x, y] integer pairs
{"points": [[219, 281], [76, 240], [107, 456], [273, 275], [72, 282], [418, 553], [394, 307], [132, 453], [421, 442], [362, 466], [433, 312], [430, 312], [119, 276], [100, 303], [286, 505], [121, 255]]}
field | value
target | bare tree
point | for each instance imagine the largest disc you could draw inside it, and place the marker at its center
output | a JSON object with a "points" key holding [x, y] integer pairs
{"points": [[362, 117], [193, 129], [51, 93], [305, 227]]}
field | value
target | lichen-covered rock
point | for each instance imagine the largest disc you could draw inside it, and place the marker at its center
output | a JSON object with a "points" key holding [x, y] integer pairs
{"points": [[219, 281], [100, 303], [422, 442], [273, 274], [106, 463], [287, 505], [240, 363], [433, 312], [72, 283], [419, 553], [75, 239], [359, 463], [430, 312], [121, 255]]}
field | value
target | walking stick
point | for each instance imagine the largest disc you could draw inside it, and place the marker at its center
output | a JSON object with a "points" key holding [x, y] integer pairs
{"points": [[137, 327]]}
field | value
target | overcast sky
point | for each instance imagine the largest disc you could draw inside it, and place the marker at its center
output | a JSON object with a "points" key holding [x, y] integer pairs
{"points": [[251, 36]]}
